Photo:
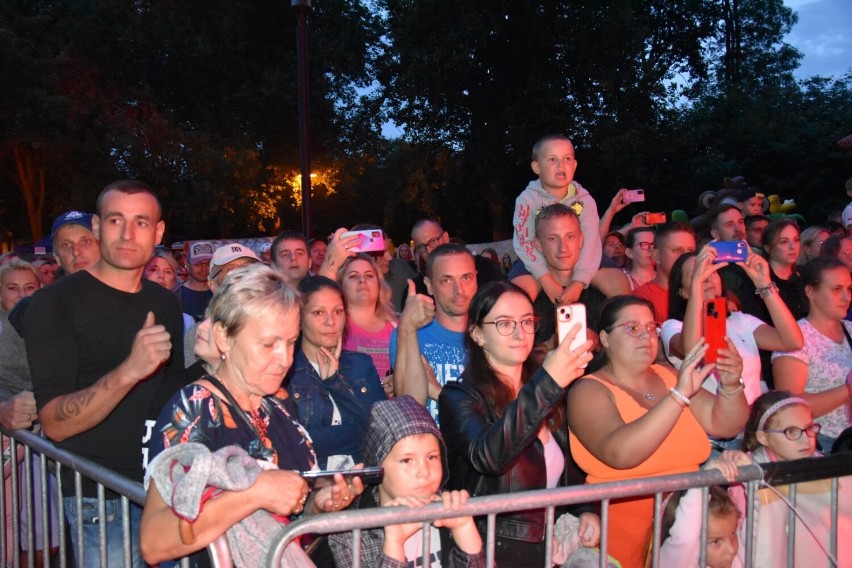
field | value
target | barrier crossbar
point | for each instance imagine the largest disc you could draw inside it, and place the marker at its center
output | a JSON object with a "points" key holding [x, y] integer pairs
{"points": [[753, 477]]}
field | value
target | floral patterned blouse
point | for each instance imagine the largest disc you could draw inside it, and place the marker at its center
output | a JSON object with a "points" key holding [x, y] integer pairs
{"points": [[195, 414]]}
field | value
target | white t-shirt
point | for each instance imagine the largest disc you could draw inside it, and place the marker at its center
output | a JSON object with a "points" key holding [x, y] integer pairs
{"points": [[740, 327], [414, 549], [828, 364]]}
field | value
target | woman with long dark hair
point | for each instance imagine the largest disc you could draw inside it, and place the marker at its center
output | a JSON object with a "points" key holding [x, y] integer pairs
{"points": [[505, 426]]}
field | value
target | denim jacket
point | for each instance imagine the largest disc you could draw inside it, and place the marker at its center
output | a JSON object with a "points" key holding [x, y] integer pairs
{"points": [[355, 387]]}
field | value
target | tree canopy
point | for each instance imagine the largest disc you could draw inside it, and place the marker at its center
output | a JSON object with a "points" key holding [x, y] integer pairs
{"points": [[200, 100]]}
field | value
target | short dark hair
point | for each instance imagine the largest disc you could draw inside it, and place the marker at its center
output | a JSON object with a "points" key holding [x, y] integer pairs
{"points": [[714, 215], [608, 315], [630, 239], [666, 229], [544, 140], [446, 249], [288, 235], [128, 187], [755, 218], [554, 211], [311, 284], [811, 273]]}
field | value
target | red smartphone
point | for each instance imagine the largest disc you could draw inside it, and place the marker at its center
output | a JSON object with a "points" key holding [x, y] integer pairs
{"points": [[655, 218], [715, 316]]}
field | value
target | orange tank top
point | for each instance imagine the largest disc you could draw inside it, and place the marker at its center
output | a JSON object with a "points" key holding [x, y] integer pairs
{"points": [[684, 449]]}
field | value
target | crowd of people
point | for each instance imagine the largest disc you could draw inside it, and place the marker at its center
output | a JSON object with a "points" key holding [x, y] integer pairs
{"points": [[440, 367]]}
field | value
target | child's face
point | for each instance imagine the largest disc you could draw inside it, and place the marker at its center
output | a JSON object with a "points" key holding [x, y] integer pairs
{"points": [[412, 468], [795, 415], [555, 165], [722, 540]]}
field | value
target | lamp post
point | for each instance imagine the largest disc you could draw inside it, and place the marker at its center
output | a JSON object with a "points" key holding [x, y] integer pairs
{"points": [[303, 8]]}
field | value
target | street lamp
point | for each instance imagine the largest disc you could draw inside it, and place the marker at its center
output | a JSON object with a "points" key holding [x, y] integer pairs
{"points": [[303, 8]]}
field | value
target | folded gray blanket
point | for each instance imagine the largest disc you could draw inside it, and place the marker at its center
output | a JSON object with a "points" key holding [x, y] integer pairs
{"points": [[183, 474]]}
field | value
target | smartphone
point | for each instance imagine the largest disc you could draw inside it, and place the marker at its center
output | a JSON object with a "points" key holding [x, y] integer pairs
{"points": [[655, 218], [715, 316], [324, 478], [633, 196], [372, 240], [730, 251], [567, 316]]}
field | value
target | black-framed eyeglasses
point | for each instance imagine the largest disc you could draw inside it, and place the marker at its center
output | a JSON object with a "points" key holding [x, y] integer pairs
{"points": [[428, 245], [634, 328], [508, 327], [645, 246], [794, 433]]}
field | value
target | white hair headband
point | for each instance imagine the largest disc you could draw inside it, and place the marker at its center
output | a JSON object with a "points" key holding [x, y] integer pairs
{"points": [[778, 406]]}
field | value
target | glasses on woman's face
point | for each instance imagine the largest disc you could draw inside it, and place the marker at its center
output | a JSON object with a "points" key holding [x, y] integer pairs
{"points": [[794, 433], [635, 329], [508, 327], [644, 245]]}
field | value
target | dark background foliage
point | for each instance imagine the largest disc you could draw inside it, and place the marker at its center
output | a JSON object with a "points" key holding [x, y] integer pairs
{"points": [[199, 99]]}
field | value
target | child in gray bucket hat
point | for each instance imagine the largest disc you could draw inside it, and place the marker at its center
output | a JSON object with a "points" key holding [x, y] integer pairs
{"points": [[403, 438]]}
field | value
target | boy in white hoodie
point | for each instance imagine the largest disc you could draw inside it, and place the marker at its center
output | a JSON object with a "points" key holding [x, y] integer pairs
{"points": [[554, 162]]}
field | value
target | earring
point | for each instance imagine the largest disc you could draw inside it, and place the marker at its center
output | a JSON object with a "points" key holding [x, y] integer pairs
{"points": [[223, 356]]}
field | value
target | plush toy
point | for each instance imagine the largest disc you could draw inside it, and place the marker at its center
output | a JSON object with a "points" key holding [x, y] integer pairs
{"points": [[776, 207]]}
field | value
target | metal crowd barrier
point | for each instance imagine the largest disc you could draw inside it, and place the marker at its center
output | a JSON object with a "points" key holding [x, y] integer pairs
{"points": [[781, 473], [18, 501], [17, 504]]}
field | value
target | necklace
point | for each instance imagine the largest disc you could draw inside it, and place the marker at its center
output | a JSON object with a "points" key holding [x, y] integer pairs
{"points": [[647, 395]]}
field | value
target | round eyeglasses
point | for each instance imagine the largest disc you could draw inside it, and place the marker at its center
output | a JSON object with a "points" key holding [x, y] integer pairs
{"points": [[644, 245], [794, 433], [634, 328], [508, 327]]}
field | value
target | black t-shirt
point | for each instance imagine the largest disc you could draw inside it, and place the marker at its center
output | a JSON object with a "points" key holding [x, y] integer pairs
{"points": [[78, 330]]}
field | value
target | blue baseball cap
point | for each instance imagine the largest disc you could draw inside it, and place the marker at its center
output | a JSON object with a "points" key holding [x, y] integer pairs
{"points": [[71, 218]]}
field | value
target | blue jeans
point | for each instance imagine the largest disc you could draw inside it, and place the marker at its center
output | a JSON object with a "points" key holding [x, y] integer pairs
{"points": [[114, 531]]}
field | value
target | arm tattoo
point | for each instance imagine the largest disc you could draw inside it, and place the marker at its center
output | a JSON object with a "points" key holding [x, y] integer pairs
{"points": [[74, 404]]}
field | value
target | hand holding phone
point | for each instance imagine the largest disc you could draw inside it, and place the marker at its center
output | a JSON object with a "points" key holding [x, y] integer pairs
{"points": [[567, 316], [633, 196]]}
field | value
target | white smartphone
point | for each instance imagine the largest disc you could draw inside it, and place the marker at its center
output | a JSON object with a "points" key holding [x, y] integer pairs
{"points": [[568, 316]]}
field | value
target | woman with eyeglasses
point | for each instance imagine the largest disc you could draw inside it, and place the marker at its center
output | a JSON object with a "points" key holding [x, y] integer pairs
{"points": [[505, 426], [781, 427], [694, 281], [630, 417], [819, 372], [640, 250]]}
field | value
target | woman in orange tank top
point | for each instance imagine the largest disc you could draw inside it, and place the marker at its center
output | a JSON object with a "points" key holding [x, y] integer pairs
{"points": [[632, 418]]}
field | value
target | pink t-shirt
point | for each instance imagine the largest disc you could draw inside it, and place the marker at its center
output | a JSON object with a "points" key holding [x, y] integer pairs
{"points": [[376, 344]]}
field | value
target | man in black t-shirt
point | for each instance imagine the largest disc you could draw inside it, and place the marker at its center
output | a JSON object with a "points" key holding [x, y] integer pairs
{"points": [[105, 348]]}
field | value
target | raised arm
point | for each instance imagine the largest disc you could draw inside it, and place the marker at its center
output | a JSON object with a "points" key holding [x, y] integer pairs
{"points": [[616, 205], [784, 334], [597, 423], [409, 373]]}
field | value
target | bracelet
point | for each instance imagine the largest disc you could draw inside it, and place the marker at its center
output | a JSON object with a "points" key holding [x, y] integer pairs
{"points": [[767, 290], [731, 393], [679, 397]]}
